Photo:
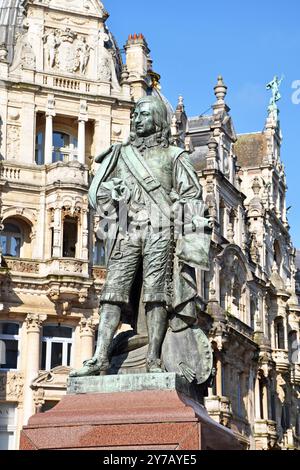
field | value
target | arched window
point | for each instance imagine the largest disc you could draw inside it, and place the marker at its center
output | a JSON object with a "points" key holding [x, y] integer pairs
{"points": [[279, 334], [64, 147], [11, 240], [56, 346]]}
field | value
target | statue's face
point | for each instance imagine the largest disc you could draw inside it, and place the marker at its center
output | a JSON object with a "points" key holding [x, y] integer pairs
{"points": [[143, 121]]}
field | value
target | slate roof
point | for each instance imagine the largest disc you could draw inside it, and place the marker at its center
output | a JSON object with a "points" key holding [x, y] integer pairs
{"points": [[11, 18], [251, 149]]}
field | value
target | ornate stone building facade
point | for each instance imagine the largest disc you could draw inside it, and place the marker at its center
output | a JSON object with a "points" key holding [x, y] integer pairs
{"points": [[66, 95]]}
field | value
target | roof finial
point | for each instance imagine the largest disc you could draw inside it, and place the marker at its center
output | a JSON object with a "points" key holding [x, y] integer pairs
{"points": [[180, 104], [220, 90]]}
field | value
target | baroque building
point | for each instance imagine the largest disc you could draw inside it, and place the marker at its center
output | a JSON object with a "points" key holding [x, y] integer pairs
{"points": [[65, 96]]}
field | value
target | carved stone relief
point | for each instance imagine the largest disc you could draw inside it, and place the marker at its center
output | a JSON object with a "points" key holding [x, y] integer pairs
{"points": [[11, 386], [66, 51], [24, 55], [104, 69], [13, 142]]}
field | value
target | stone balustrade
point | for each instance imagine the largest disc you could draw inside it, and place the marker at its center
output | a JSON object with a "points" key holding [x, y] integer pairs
{"points": [[74, 85], [265, 434], [281, 358], [295, 374], [18, 265], [66, 83], [98, 273], [71, 172], [58, 266], [66, 267], [24, 174], [219, 409], [240, 326]]}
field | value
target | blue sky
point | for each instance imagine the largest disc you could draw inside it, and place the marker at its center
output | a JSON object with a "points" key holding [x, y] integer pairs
{"points": [[192, 42]]}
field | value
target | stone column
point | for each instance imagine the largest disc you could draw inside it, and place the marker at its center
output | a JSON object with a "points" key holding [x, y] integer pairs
{"points": [[82, 119], [257, 399], [87, 330], [285, 326], [33, 326], [85, 234], [81, 141], [49, 129], [219, 391], [57, 234], [265, 400]]}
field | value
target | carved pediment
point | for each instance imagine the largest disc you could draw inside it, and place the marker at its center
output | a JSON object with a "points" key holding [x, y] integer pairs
{"points": [[88, 7], [56, 377]]}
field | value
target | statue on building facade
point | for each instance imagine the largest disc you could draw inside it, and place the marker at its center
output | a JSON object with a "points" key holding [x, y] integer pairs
{"points": [[148, 195], [51, 44], [274, 86], [83, 53]]}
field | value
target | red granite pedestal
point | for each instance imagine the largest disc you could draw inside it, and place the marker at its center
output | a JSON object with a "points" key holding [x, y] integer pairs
{"points": [[135, 420]]}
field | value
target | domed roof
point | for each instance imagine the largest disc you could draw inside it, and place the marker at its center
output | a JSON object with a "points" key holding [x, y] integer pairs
{"points": [[11, 18]]}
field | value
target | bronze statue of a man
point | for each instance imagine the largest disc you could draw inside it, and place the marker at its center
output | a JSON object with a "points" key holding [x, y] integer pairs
{"points": [[159, 224]]}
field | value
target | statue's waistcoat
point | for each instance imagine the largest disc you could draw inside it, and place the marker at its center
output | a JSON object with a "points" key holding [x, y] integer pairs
{"points": [[160, 162]]}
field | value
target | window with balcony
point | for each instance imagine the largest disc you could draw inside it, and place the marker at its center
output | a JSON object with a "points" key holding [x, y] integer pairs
{"points": [[293, 347], [279, 334], [253, 307], [285, 417], [39, 149], [11, 240], [57, 344], [70, 237], [9, 345], [64, 147], [99, 253]]}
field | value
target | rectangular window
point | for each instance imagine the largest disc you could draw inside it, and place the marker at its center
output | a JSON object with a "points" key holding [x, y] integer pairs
{"points": [[57, 344], [99, 253], [9, 345], [56, 354], [7, 427], [39, 149]]}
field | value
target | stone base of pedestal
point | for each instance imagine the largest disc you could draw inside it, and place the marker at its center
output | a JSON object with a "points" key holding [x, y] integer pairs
{"points": [[156, 415]]}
